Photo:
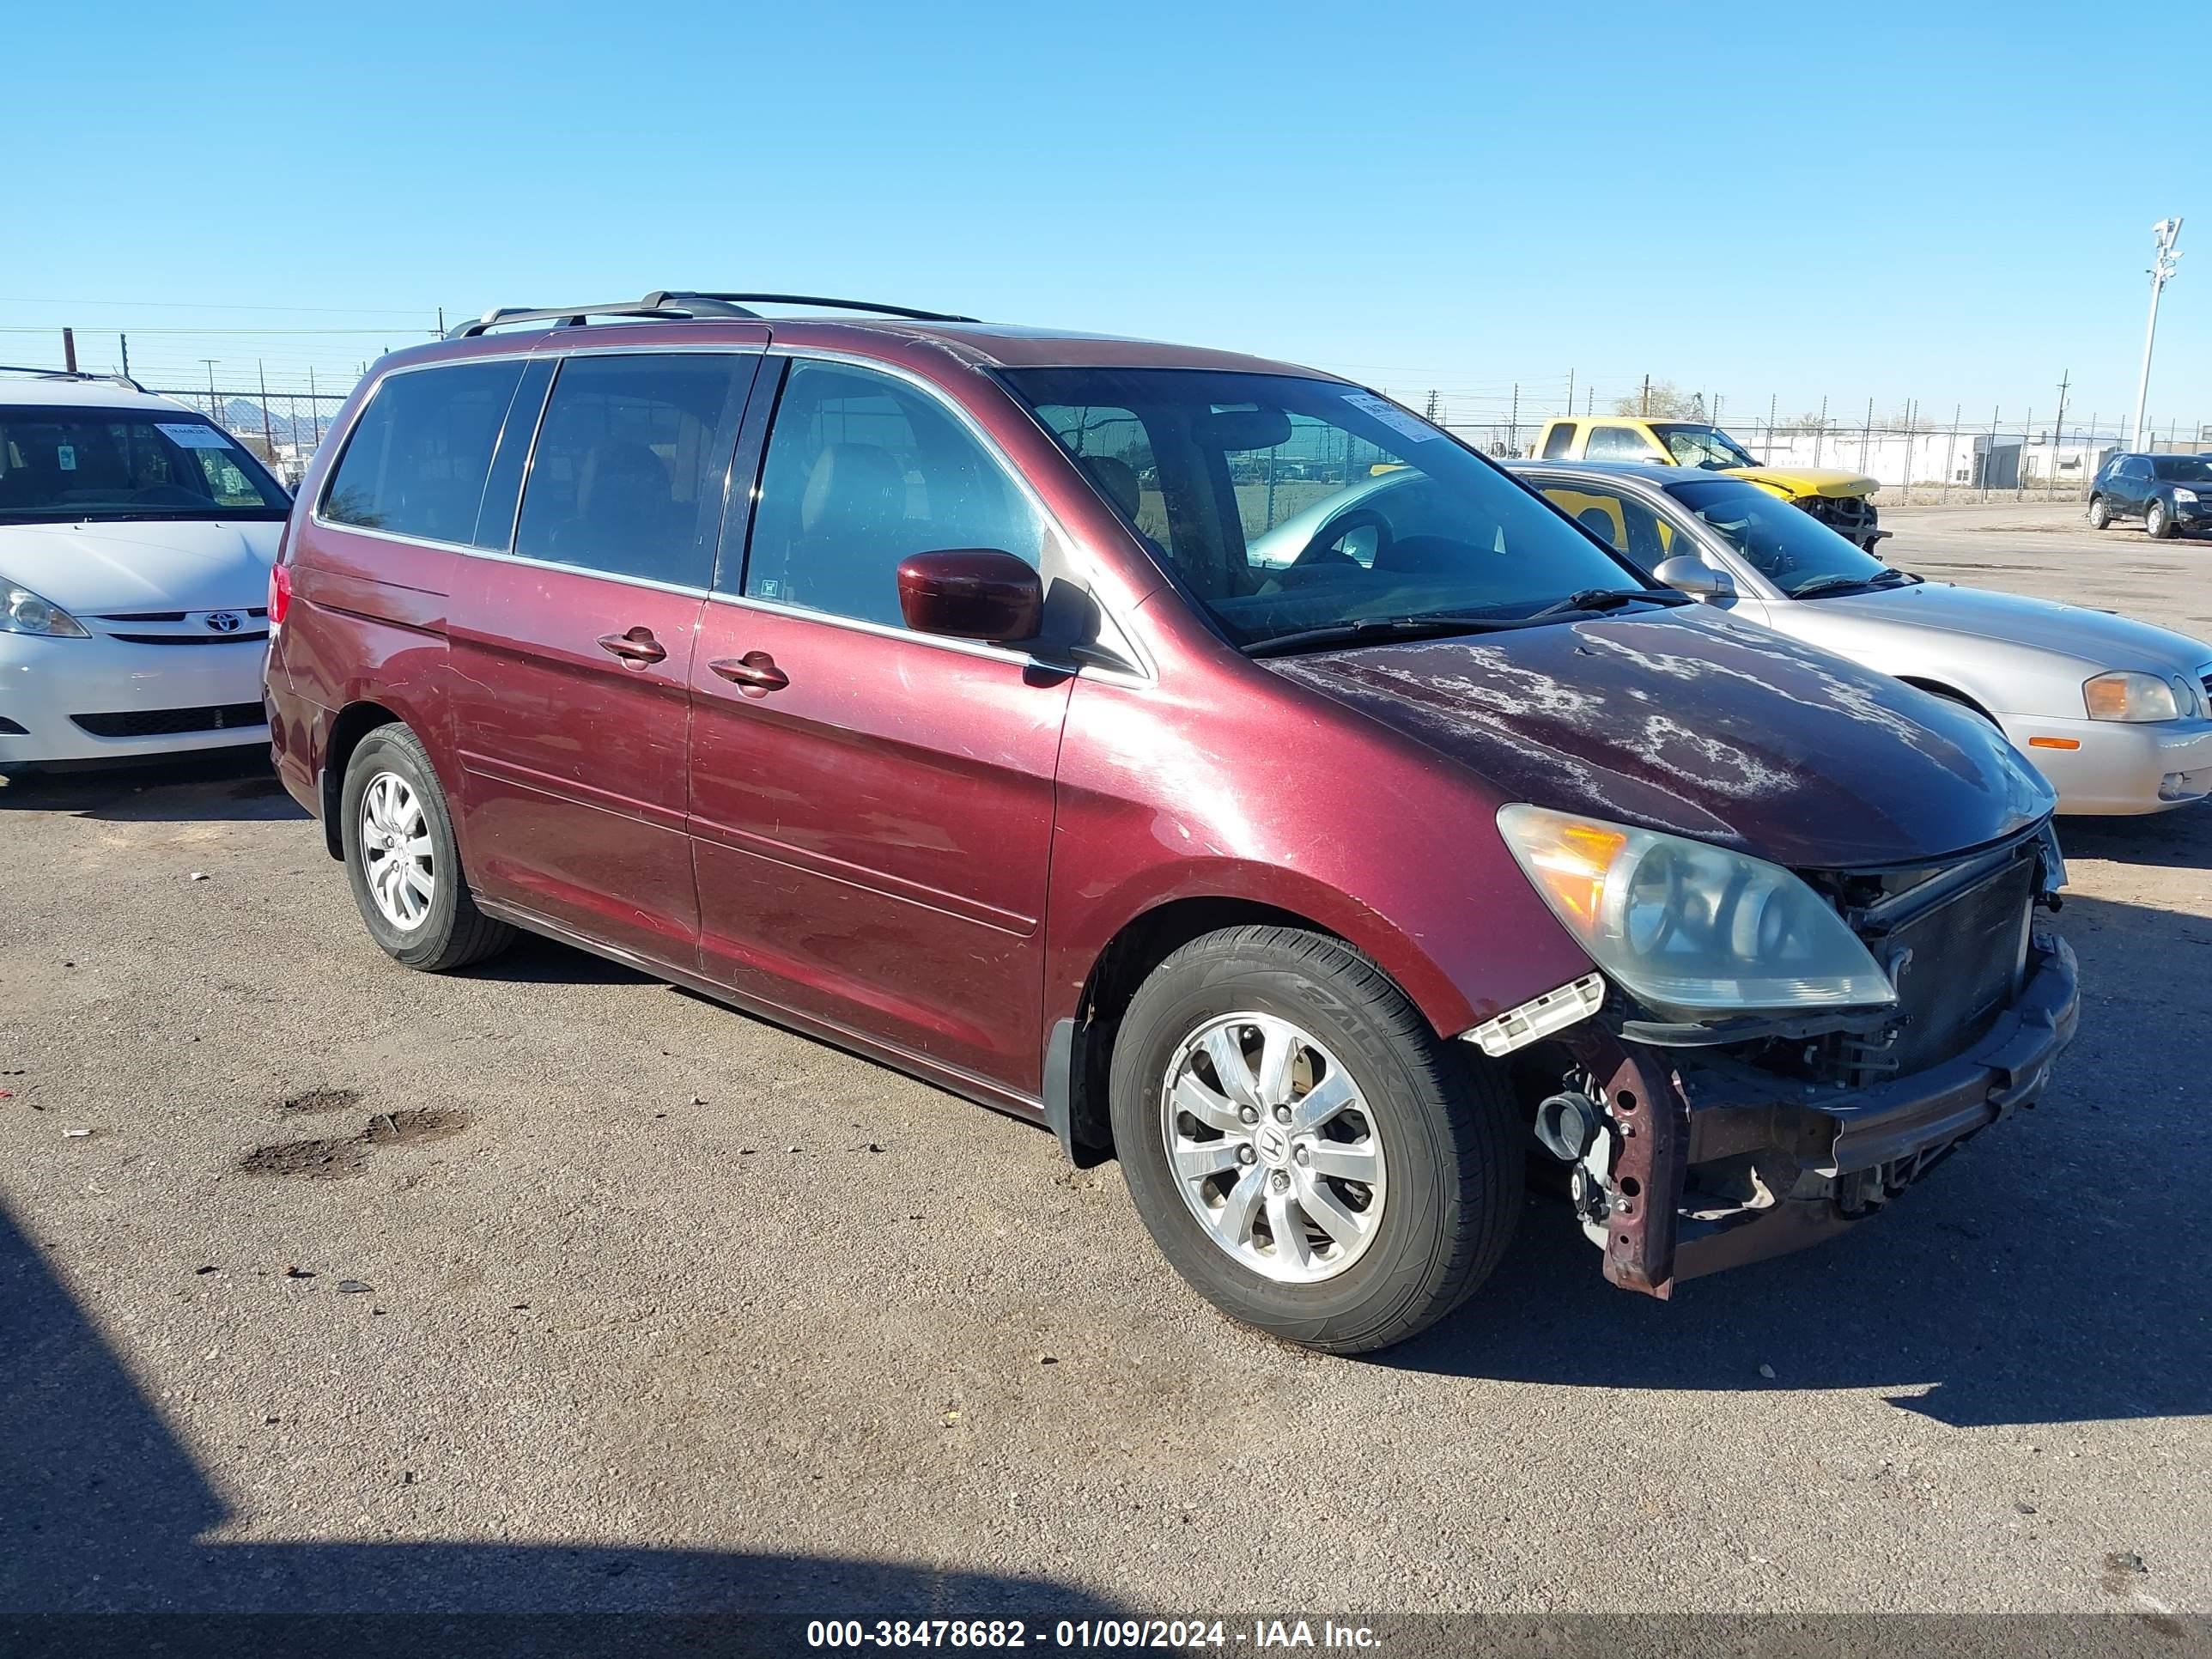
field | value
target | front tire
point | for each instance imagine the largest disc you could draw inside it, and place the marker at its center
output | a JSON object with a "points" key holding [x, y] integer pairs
{"points": [[1307, 1152], [2157, 521], [2100, 516], [403, 861]]}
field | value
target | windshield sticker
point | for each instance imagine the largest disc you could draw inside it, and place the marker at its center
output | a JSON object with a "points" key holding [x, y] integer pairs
{"points": [[194, 435], [1391, 416], [66, 455]]}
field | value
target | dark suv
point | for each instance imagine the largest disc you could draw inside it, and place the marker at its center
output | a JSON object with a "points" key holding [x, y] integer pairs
{"points": [[2169, 493], [933, 689]]}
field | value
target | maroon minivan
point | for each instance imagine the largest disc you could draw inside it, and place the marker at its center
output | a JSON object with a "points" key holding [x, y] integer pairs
{"points": [[1073, 722]]}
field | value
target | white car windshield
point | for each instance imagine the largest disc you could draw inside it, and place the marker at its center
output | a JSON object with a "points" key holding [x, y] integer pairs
{"points": [[64, 464], [1289, 507]]}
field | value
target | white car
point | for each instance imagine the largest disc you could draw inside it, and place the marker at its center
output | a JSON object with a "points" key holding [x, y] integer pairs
{"points": [[136, 537]]}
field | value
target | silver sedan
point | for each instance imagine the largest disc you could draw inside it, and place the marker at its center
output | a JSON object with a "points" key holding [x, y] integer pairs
{"points": [[2115, 713]]}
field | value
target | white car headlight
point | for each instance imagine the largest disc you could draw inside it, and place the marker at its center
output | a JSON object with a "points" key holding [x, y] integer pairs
{"points": [[1693, 930], [2126, 695], [2184, 495], [23, 611]]}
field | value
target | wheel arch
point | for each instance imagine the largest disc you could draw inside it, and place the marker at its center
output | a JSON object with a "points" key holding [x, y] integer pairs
{"points": [[1080, 1046], [351, 724], [1951, 693]]}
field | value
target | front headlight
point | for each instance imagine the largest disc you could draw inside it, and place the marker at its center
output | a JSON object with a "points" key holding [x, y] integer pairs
{"points": [[2188, 496], [23, 611], [1693, 930], [2126, 695]]}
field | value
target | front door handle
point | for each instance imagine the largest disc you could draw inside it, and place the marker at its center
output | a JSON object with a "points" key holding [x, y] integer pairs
{"points": [[755, 673], [637, 648]]}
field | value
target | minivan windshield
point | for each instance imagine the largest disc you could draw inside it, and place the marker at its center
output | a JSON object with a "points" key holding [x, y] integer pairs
{"points": [[1292, 506], [1786, 545], [64, 464]]}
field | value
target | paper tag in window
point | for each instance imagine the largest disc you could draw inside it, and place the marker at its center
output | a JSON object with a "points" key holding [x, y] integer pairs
{"points": [[1392, 416], [65, 456], [192, 435]]}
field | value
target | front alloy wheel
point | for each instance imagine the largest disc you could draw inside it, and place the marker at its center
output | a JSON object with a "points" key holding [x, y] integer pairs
{"points": [[1273, 1148]]}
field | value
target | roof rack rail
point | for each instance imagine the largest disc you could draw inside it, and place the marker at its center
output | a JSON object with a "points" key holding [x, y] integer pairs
{"points": [[673, 297], [667, 307], [670, 305], [69, 374]]}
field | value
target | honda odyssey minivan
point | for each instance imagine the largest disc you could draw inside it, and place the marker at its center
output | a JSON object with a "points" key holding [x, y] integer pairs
{"points": [[910, 681]]}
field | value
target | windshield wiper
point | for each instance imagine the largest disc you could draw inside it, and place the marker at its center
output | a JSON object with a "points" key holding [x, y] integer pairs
{"points": [[1839, 584], [1369, 629], [1593, 599]]}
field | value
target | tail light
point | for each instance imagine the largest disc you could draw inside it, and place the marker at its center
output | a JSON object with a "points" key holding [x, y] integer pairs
{"points": [[280, 593]]}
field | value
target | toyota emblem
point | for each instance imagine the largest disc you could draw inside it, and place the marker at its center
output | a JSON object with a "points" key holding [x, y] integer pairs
{"points": [[225, 622]]}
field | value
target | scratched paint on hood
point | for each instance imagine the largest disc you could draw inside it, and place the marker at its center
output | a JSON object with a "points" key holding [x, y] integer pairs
{"points": [[1699, 724]]}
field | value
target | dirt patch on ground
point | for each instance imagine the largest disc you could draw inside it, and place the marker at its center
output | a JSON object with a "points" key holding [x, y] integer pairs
{"points": [[341, 1158], [313, 1102]]}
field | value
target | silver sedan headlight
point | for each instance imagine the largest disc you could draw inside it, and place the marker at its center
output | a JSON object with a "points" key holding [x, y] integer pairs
{"points": [[23, 611], [1692, 930], [2126, 695]]}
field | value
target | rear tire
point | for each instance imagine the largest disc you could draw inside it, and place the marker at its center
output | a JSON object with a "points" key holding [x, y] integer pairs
{"points": [[403, 861], [1378, 1179], [2100, 516], [2157, 521]]}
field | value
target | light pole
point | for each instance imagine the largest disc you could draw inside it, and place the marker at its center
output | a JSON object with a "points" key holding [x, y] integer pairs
{"points": [[2164, 233]]}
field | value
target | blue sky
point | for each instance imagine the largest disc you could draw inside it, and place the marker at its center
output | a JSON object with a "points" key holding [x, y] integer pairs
{"points": [[1949, 203]]}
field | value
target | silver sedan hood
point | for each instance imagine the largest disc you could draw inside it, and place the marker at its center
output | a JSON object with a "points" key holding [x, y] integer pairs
{"points": [[2097, 638]]}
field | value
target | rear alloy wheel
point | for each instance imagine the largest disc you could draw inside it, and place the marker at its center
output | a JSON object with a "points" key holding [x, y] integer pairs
{"points": [[1306, 1151], [2158, 520], [403, 861], [2100, 516]]}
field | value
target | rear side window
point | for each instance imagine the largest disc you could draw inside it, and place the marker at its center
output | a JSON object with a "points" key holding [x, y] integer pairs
{"points": [[415, 462], [862, 471], [1560, 440], [633, 452], [1618, 443]]}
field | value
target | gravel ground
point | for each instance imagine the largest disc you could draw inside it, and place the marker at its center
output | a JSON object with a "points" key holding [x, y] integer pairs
{"points": [[325, 1285]]}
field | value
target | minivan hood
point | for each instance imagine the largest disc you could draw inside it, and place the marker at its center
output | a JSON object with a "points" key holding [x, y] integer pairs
{"points": [[2096, 637], [153, 564], [1693, 723]]}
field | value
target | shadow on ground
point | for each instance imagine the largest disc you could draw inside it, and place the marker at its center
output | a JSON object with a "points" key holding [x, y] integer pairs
{"points": [[223, 786], [104, 1509], [2180, 840], [2045, 1275]]}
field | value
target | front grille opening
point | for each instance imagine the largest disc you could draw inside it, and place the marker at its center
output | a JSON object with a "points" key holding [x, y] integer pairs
{"points": [[170, 722]]}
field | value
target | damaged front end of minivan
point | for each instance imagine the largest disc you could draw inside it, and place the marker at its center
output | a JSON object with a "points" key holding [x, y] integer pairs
{"points": [[1767, 1055]]}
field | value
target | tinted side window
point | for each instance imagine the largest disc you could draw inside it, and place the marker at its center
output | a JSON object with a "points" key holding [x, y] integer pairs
{"points": [[862, 471], [632, 455], [416, 461], [1560, 440]]}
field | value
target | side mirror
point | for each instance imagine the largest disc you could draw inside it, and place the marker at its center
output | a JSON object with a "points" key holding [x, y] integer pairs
{"points": [[1693, 576], [971, 593]]}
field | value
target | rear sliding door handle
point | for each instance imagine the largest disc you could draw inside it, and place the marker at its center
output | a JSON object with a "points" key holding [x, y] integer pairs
{"points": [[637, 648], [755, 673]]}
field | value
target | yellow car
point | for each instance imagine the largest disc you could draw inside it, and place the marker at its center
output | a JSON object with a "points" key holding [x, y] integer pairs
{"points": [[1842, 501]]}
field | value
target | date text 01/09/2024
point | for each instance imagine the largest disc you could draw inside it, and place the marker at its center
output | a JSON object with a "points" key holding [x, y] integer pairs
{"points": [[1088, 1635]]}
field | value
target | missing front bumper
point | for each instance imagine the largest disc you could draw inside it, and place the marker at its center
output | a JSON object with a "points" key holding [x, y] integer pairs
{"points": [[1845, 1152]]}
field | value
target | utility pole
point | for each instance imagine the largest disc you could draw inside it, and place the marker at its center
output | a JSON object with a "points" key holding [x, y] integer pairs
{"points": [[123, 340], [1951, 451], [69, 350], [2163, 264], [314, 408], [1771, 400], [1513, 432], [1644, 408], [1571, 391], [268, 437], [1820, 432], [214, 414], [2059, 434]]}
